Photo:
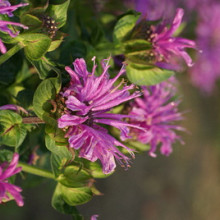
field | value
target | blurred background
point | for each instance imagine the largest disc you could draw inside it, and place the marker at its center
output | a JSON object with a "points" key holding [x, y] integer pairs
{"points": [[185, 185]]}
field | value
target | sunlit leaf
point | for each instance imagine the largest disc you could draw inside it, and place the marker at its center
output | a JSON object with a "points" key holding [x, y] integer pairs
{"points": [[60, 205], [146, 74], [124, 26]]}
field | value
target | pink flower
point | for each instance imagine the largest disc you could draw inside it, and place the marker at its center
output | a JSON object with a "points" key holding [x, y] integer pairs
{"points": [[6, 171], [157, 114], [166, 45], [89, 98]]}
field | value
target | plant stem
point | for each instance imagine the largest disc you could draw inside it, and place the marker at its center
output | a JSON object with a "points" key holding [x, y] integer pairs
{"points": [[32, 120], [36, 171], [10, 53]]}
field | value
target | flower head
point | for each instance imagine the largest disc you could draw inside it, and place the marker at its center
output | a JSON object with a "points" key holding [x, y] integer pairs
{"points": [[88, 99], [156, 113], [165, 45], [6, 8], [7, 170]]}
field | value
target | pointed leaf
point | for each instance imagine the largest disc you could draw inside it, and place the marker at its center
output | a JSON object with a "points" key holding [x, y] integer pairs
{"points": [[31, 21], [124, 26], [146, 74], [44, 66], [59, 12]]}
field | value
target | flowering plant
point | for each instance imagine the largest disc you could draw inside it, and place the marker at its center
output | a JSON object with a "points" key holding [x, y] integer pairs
{"points": [[74, 124]]}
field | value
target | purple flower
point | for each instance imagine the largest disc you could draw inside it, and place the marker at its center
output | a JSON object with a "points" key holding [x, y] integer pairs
{"points": [[166, 45], [88, 100], [6, 8], [6, 171], [156, 113], [206, 70]]}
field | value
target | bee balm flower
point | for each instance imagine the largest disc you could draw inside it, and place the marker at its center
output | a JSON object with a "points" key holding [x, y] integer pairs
{"points": [[88, 99], [166, 45], [156, 113]]}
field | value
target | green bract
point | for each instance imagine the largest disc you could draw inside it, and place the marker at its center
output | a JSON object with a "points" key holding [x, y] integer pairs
{"points": [[36, 45], [147, 75], [45, 92]]}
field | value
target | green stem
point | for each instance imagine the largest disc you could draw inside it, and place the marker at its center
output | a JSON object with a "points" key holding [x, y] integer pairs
{"points": [[36, 171], [10, 53]]}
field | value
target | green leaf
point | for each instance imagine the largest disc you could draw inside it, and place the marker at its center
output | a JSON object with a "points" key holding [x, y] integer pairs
{"points": [[12, 131], [31, 21], [74, 177], [59, 12], [60, 205], [75, 196], [57, 164], [136, 46], [56, 147], [124, 26], [36, 45], [146, 74], [54, 45], [45, 92], [44, 66]]}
